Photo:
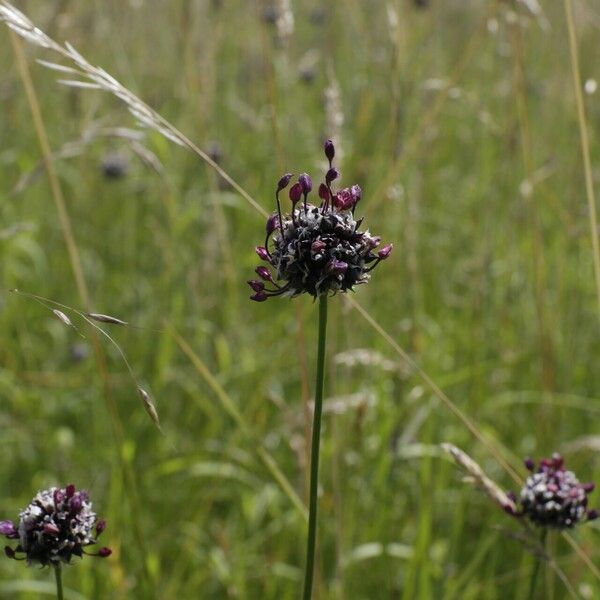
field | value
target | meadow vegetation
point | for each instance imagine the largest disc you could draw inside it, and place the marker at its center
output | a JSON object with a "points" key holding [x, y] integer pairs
{"points": [[460, 122]]}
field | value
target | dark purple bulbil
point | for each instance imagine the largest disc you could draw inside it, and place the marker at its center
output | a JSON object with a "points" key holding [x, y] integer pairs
{"points": [[57, 525], [316, 249], [552, 496]]}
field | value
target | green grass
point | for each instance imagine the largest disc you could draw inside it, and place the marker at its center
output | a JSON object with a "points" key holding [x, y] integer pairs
{"points": [[490, 290]]}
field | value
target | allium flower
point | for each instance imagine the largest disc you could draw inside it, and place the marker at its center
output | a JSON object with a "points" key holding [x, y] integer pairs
{"points": [[114, 166], [553, 497], [316, 249], [57, 525]]}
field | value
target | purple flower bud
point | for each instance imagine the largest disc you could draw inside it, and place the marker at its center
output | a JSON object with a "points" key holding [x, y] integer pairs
{"points": [[331, 175], [318, 246], [336, 267], [283, 182], [70, 490], [75, 504], [100, 526], [257, 286], [356, 193], [259, 297], [50, 529], [329, 150], [592, 514], [306, 182], [8, 529], [104, 552], [272, 223], [324, 192], [373, 242], [558, 461], [58, 496], [343, 200], [264, 273], [529, 464], [262, 252], [385, 251], [588, 487], [295, 193]]}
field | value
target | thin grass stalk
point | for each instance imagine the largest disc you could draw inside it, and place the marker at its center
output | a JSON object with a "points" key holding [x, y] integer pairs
{"points": [[520, 84], [465, 420], [233, 411], [585, 145], [416, 139], [314, 455], [58, 578], [75, 261]]}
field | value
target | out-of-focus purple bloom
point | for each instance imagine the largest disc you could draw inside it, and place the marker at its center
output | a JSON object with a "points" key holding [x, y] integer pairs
{"points": [[9, 529], [553, 497], [57, 525]]}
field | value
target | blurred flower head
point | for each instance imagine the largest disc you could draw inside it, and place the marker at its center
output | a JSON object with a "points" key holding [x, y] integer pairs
{"points": [[317, 248], [57, 525], [114, 166], [553, 497]]}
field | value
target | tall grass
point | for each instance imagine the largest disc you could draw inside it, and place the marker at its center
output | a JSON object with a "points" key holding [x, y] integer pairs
{"points": [[459, 121]]}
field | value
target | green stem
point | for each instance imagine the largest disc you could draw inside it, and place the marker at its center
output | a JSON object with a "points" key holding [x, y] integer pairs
{"points": [[538, 564], [314, 453], [58, 575]]}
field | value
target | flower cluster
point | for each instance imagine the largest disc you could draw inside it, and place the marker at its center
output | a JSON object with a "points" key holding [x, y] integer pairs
{"points": [[57, 525], [317, 250], [553, 497]]}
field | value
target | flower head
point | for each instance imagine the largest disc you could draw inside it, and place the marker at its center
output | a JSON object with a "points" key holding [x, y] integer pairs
{"points": [[553, 497], [57, 525], [316, 248], [114, 166]]}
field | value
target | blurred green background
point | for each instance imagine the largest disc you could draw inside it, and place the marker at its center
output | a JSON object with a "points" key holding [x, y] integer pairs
{"points": [[459, 121]]}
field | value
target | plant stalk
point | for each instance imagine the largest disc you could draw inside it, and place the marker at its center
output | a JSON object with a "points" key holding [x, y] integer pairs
{"points": [[314, 453], [58, 576], [538, 564]]}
